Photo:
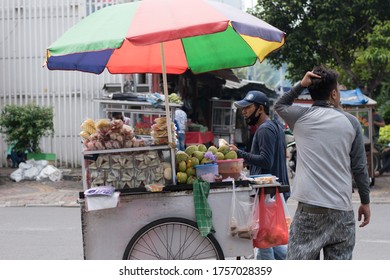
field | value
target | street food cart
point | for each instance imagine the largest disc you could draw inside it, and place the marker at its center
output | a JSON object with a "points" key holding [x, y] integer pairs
{"points": [[141, 222], [162, 225]]}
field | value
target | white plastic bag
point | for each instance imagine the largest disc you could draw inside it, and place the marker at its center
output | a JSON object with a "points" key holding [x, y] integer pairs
{"points": [[243, 220], [50, 172], [286, 212], [31, 173], [17, 175]]}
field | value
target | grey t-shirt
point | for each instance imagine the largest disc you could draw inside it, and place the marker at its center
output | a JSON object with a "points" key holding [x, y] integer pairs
{"points": [[330, 149]]}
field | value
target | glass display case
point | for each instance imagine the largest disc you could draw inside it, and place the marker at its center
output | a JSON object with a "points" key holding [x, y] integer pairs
{"points": [[223, 123], [136, 166]]}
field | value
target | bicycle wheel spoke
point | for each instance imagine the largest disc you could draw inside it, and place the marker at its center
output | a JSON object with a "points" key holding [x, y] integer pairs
{"points": [[172, 239]]}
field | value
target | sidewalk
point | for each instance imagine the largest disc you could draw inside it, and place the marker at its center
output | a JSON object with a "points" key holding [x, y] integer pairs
{"points": [[66, 192], [41, 193]]}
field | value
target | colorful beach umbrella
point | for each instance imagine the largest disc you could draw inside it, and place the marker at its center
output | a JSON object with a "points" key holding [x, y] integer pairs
{"points": [[198, 35], [164, 36]]}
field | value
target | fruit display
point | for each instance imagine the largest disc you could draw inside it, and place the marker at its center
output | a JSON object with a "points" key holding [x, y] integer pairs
{"points": [[105, 134], [197, 155], [128, 170], [384, 135], [174, 98], [159, 131]]}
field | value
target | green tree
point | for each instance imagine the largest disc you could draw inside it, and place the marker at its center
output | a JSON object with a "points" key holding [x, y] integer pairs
{"points": [[351, 36], [25, 125]]}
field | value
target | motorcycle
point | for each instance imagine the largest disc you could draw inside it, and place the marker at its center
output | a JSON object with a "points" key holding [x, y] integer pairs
{"points": [[292, 161], [291, 152]]}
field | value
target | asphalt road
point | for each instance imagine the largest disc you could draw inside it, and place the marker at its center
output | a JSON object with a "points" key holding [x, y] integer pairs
{"points": [[54, 233], [40, 233]]}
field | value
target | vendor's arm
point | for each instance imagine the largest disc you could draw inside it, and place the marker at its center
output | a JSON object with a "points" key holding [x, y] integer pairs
{"points": [[264, 155], [283, 106]]}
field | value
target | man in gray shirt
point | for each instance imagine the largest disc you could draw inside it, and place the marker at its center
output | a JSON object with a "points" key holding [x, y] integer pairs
{"points": [[330, 153]]}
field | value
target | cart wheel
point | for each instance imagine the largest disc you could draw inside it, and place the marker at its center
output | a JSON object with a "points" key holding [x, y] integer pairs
{"points": [[172, 239]]}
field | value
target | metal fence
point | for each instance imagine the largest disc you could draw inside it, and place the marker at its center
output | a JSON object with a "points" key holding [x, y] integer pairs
{"points": [[27, 28]]}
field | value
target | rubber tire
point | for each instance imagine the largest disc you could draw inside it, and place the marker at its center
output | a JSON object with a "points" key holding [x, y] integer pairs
{"points": [[377, 162], [166, 221]]}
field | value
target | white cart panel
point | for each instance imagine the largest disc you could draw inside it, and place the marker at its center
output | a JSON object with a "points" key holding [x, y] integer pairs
{"points": [[107, 232]]}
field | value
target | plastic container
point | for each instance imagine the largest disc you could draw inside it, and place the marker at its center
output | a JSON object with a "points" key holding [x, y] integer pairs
{"points": [[230, 168], [102, 201], [207, 171]]}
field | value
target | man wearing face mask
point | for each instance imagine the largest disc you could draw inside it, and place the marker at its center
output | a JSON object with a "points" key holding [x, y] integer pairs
{"points": [[267, 154]]}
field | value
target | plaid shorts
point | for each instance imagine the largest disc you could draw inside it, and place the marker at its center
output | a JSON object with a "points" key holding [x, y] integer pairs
{"points": [[316, 228]]}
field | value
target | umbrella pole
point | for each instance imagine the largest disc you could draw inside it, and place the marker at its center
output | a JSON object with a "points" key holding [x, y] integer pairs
{"points": [[166, 99], [171, 144]]}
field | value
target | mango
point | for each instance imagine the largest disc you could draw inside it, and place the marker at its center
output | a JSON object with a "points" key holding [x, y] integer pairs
{"points": [[182, 177], [191, 171], [182, 166], [181, 156], [191, 179], [202, 148], [213, 149], [220, 155], [199, 155], [194, 161], [231, 155], [224, 149], [191, 149]]}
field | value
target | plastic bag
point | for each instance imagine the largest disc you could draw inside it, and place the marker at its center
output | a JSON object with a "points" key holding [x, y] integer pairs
{"points": [[286, 212], [50, 172], [243, 221], [273, 229]]}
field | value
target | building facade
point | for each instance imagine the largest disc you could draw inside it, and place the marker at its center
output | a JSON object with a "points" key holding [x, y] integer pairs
{"points": [[27, 28]]}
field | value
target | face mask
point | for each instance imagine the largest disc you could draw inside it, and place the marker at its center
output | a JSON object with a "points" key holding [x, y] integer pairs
{"points": [[252, 120]]}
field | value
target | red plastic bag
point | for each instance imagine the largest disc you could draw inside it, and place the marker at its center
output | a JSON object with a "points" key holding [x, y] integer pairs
{"points": [[273, 230]]}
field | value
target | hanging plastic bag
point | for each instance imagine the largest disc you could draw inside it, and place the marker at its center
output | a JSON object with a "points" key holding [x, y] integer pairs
{"points": [[286, 212], [273, 229], [243, 220]]}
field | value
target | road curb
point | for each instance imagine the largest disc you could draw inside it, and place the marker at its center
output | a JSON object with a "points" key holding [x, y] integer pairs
{"points": [[66, 205]]}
